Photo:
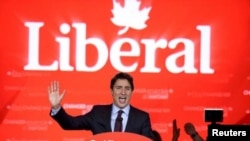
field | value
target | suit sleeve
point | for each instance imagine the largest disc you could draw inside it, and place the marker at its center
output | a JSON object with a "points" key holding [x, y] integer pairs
{"points": [[147, 129], [69, 122]]}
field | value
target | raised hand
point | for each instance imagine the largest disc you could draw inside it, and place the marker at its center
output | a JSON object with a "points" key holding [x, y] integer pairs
{"points": [[54, 94], [176, 131], [189, 128]]}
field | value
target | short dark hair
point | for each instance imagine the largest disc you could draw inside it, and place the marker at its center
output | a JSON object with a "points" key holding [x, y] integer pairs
{"points": [[122, 75]]}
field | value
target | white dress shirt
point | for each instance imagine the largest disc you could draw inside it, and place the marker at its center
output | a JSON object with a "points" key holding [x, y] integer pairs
{"points": [[114, 114]]}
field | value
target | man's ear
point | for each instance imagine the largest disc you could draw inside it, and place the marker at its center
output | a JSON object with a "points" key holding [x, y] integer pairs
{"points": [[111, 91]]}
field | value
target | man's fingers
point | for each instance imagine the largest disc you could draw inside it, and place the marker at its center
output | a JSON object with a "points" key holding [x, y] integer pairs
{"points": [[62, 95], [55, 85], [51, 86]]}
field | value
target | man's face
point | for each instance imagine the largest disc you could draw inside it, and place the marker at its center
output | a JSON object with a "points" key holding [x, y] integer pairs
{"points": [[121, 93]]}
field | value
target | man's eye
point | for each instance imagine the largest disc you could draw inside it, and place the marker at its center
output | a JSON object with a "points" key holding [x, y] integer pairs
{"points": [[128, 88]]}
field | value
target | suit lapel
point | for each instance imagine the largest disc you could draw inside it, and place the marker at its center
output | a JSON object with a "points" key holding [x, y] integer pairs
{"points": [[130, 121], [107, 118]]}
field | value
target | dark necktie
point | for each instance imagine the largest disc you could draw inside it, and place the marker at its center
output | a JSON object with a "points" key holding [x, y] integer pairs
{"points": [[118, 122]]}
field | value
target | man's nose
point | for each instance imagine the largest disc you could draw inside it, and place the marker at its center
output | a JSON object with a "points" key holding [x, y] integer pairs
{"points": [[123, 91]]}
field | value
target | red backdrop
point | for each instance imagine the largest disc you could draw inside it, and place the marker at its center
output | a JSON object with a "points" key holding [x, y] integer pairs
{"points": [[184, 55]]}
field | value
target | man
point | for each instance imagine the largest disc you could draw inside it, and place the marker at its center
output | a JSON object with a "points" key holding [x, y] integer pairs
{"points": [[103, 118]]}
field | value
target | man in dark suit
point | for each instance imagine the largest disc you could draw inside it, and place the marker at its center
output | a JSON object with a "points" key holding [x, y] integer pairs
{"points": [[105, 118]]}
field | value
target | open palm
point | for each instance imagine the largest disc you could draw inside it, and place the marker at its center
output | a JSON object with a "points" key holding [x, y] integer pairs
{"points": [[54, 94]]}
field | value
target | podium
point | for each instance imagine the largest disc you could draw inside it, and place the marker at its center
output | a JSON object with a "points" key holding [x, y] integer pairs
{"points": [[118, 136]]}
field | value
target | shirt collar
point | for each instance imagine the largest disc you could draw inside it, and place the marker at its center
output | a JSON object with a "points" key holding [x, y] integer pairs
{"points": [[115, 109]]}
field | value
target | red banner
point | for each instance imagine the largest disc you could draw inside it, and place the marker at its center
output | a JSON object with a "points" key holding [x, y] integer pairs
{"points": [[185, 56]]}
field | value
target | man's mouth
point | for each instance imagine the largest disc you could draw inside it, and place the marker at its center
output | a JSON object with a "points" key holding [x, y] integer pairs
{"points": [[122, 99]]}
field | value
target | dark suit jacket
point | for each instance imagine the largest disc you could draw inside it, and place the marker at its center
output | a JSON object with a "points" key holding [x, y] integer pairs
{"points": [[98, 121]]}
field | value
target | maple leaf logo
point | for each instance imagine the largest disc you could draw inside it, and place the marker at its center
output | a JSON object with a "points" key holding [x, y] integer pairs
{"points": [[129, 16]]}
